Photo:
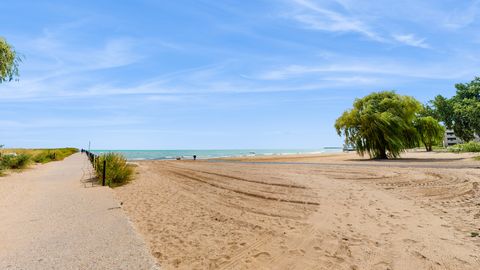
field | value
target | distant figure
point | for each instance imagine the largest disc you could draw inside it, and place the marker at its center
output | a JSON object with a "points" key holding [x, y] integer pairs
{"points": [[194, 157]]}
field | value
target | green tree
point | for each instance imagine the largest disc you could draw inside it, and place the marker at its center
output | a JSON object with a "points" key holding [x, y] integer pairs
{"points": [[430, 132], [461, 112], [9, 61], [380, 124]]}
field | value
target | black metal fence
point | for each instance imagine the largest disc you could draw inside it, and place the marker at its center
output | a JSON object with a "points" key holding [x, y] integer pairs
{"points": [[94, 160]]}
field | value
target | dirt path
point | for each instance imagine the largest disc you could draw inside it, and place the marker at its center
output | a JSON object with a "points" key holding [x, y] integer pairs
{"points": [[49, 219]]}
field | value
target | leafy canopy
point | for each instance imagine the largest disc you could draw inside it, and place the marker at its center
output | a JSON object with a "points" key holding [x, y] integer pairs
{"points": [[380, 124], [461, 112], [9, 61], [430, 132]]}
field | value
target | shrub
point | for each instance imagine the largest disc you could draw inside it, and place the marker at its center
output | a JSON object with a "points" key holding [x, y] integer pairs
{"points": [[15, 162], [118, 172], [465, 147]]}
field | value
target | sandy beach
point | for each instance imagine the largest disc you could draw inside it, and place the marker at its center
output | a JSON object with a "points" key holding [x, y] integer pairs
{"points": [[309, 212]]}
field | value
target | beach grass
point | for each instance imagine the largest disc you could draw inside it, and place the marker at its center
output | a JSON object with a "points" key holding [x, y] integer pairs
{"points": [[47, 155], [20, 158], [118, 171], [465, 147], [17, 162]]}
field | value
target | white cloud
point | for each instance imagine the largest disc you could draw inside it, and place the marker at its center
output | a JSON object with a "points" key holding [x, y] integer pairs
{"points": [[411, 40], [319, 18], [462, 17]]}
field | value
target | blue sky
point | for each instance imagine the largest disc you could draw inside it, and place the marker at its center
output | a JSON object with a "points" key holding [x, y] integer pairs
{"points": [[221, 74]]}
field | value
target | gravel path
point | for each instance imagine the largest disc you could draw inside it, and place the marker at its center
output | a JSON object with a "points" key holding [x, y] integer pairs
{"points": [[51, 219]]}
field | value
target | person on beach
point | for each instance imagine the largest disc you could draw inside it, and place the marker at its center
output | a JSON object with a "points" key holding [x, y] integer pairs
{"points": [[194, 157]]}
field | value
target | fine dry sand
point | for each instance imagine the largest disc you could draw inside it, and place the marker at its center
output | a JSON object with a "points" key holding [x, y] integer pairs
{"points": [[309, 212]]}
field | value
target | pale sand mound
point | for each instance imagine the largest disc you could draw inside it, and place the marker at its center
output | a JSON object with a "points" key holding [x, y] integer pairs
{"points": [[353, 215]]}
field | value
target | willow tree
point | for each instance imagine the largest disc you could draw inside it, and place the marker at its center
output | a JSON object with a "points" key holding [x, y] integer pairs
{"points": [[380, 124], [430, 132], [9, 61]]}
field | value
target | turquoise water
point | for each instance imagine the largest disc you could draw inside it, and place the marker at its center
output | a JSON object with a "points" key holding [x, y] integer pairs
{"points": [[203, 154]]}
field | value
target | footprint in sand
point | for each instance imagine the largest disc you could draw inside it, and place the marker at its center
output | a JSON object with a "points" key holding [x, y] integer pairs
{"points": [[409, 241], [263, 256]]}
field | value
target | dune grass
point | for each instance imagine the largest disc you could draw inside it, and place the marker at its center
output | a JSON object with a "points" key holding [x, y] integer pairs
{"points": [[465, 147], [18, 159], [47, 155], [15, 162], [118, 171]]}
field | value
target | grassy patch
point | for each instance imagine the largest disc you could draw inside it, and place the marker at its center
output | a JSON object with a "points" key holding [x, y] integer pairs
{"points": [[118, 172], [465, 147], [16, 162], [17, 159], [477, 158], [47, 155]]}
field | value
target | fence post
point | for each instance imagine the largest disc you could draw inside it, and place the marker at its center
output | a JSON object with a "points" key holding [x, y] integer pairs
{"points": [[104, 171]]}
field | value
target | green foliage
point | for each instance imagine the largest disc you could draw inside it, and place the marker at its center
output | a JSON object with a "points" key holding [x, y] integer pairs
{"points": [[380, 124], [15, 162], [477, 158], [9, 61], [465, 147], [47, 155], [462, 112], [118, 172], [430, 132], [24, 157]]}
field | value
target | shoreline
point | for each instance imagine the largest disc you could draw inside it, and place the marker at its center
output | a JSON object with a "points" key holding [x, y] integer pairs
{"points": [[215, 154]]}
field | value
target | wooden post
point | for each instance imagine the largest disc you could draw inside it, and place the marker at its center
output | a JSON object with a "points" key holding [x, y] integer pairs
{"points": [[104, 171]]}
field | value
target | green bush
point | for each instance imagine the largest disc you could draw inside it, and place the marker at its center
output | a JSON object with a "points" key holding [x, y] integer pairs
{"points": [[15, 162], [465, 147], [118, 172]]}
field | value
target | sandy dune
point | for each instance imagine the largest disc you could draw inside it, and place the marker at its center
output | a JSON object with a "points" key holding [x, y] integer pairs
{"points": [[310, 212]]}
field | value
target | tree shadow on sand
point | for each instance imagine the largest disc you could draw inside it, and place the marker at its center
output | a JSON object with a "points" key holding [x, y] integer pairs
{"points": [[396, 160]]}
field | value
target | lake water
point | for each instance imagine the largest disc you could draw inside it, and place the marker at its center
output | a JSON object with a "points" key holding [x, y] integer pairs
{"points": [[204, 154]]}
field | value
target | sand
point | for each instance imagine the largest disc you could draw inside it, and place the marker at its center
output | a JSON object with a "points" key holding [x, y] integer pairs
{"points": [[52, 218], [309, 212]]}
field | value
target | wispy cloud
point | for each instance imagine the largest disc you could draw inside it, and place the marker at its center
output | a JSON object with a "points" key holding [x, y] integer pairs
{"points": [[316, 17], [462, 17], [344, 19], [370, 70], [412, 40]]}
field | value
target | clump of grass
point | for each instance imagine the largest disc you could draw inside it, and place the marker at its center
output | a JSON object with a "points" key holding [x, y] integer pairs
{"points": [[465, 147], [477, 158], [118, 171], [17, 159], [47, 155], [474, 234], [15, 162]]}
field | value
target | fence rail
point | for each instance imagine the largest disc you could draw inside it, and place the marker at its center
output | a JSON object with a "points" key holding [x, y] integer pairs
{"points": [[93, 159]]}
